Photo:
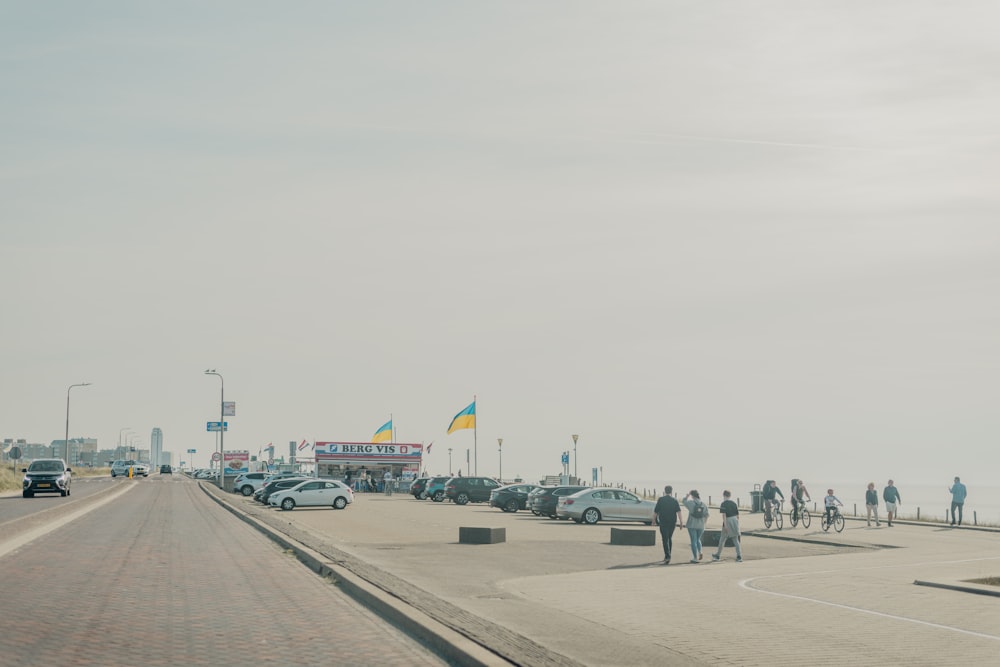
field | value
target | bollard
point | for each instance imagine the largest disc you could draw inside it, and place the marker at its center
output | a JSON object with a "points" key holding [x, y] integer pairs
{"points": [[975, 522], [855, 509]]}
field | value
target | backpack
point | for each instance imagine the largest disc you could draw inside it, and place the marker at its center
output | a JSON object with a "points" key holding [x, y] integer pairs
{"points": [[699, 510]]}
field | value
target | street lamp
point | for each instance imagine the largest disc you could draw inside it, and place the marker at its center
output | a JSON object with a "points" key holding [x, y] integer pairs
{"points": [[222, 421], [575, 436], [66, 441], [449, 460], [500, 450], [121, 432]]}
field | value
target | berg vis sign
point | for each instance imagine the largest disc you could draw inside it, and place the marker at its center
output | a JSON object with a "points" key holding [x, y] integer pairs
{"points": [[366, 452]]}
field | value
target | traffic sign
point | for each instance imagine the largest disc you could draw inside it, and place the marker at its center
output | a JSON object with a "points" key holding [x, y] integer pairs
{"points": [[192, 451], [214, 426], [15, 453], [216, 456]]}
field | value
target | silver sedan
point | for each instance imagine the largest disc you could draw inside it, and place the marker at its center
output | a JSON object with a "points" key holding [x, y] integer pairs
{"points": [[593, 505]]}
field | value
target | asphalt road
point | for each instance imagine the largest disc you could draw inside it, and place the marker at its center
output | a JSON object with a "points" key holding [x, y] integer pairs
{"points": [[159, 574]]}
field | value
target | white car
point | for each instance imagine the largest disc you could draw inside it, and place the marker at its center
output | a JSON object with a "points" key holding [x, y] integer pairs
{"points": [[120, 468], [314, 493], [593, 505]]}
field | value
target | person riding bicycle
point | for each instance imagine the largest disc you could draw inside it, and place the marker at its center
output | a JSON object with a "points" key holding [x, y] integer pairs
{"points": [[770, 491], [831, 502], [800, 494]]}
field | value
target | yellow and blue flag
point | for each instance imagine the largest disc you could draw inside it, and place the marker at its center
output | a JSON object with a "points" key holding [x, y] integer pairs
{"points": [[384, 433], [464, 419]]}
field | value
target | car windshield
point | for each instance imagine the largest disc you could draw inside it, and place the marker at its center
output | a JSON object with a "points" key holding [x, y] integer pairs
{"points": [[46, 466]]}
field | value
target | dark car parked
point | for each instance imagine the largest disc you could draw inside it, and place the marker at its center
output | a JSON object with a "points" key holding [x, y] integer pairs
{"points": [[544, 501], [264, 493], [435, 488], [462, 490], [513, 497], [418, 487]]}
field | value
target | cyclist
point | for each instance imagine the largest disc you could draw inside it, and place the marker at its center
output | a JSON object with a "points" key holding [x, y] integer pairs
{"points": [[799, 495], [770, 491], [831, 502]]}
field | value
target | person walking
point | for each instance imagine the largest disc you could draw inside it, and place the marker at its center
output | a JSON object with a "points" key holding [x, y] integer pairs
{"points": [[871, 503], [668, 516], [697, 516], [958, 493], [890, 494], [387, 483], [730, 527]]}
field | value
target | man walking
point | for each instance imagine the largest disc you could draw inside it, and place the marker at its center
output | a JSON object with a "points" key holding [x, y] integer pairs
{"points": [[730, 526], [890, 494], [668, 515], [958, 493]]}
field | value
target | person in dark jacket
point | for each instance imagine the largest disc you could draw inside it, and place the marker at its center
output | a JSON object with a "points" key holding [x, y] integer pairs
{"points": [[668, 516], [890, 494], [871, 503]]}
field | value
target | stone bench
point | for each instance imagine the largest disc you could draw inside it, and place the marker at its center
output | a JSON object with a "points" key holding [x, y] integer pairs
{"points": [[467, 535], [711, 538], [633, 538]]}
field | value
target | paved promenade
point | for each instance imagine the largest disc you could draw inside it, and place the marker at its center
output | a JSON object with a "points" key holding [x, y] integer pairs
{"points": [[558, 593]]}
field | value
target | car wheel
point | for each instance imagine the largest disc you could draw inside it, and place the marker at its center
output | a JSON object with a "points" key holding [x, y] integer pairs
{"points": [[423, 495], [511, 506], [113, 474], [552, 516], [438, 496], [63, 493], [578, 520], [247, 490], [462, 499], [340, 503], [536, 512], [26, 494], [287, 504], [592, 516]]}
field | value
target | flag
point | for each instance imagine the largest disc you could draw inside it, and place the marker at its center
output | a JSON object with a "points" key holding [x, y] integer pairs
{"points": [[302, 445], [464, 419], [429, 447], [384, 433]]}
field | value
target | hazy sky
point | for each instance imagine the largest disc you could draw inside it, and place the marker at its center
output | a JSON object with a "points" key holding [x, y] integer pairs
{"points": [[716, 240]]}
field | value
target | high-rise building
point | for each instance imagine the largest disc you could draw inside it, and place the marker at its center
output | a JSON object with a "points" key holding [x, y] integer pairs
{"points": [[156, 448]]}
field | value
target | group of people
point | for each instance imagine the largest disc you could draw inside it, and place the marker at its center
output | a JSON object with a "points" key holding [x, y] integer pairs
{"points": [[668, 512], [668, 516]]}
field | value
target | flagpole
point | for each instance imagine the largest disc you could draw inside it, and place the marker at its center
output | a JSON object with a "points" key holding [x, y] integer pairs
{"points": [[392, 434], [475, 435]]}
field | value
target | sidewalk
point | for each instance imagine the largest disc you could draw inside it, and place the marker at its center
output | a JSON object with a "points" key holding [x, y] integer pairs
{"points": [[559, 593]]}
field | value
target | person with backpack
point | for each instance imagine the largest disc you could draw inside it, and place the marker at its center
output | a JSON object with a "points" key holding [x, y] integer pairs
{"points": [[697, 516]]}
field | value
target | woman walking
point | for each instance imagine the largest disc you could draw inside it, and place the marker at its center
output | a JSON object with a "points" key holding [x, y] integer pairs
{"points": [[697, 516], [871, 503]]}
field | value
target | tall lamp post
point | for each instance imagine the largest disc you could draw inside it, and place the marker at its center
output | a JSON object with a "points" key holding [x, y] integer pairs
{"points": [[119, 453], [449, 460], [500, 451], [575, 436], [222, 422], [66, 441]]}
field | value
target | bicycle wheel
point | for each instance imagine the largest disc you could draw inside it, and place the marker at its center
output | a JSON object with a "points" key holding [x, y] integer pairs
{"points": [[823, 523], [767, 520], [838, 523], [793, 520], [778, 520], [806, 519]]}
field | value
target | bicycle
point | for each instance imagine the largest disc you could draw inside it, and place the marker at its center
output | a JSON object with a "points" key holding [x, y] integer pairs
{"points": [[799, 513], [837, 521], [772, 513]]}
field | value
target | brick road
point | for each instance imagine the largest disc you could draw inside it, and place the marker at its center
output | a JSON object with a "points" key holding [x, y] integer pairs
{"points": [[164, 576]]}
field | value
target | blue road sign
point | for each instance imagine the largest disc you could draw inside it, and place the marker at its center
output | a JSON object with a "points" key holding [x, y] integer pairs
{"points": [[215, 426]]}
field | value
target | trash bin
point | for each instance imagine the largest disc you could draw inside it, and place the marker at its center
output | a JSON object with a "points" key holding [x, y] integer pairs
{"points": [[756, 499]]}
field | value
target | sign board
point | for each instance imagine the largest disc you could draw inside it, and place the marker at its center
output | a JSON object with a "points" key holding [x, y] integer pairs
{"points": [[15, 453], [367, 453], [192, 451], [565, 458], [229, 408], [236, 462], [214, 426], [216, 456]]}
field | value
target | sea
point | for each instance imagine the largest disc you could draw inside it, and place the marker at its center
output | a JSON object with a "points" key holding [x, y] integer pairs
{"points": [[982, 505]]}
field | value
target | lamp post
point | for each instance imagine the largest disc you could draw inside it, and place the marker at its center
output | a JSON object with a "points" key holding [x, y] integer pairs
{"points": [[66, 441], [222, 422], [121, 432], [449, 460], [500, 451], [575, 436]]}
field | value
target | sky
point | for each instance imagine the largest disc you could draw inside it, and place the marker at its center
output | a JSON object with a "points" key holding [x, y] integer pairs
{"points": [[714, 240]]}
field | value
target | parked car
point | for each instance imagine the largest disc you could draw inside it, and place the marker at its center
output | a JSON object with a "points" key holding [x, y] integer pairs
{"points": [[166, 470], [593, 505], [314, 493], [513, 497], [418, 487], [435, 488], [263, 494], [462, 490], [121, 467], [248, 482], [46, 476], [543, 503]]}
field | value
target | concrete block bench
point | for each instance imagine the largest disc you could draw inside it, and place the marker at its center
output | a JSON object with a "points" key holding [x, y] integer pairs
{"points": [[711, 538], [632, 537], [467, 535]]}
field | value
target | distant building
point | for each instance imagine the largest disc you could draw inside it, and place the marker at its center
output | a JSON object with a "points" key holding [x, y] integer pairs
{"points": [[156, 447]]}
